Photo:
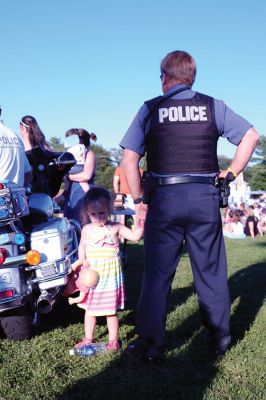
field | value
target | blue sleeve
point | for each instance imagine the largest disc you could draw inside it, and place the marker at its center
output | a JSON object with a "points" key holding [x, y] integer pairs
{"points": [[134, 138], [231, 125]]}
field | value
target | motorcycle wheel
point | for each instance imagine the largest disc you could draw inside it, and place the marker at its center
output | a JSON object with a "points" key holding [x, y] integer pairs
{"points": [[17, 324]]}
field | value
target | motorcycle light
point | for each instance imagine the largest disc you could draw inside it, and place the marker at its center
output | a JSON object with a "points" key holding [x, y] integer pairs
{"points": [[33, 257], [19, 238], [4, 213], [3, 255], [6, 294], [2, 201]]}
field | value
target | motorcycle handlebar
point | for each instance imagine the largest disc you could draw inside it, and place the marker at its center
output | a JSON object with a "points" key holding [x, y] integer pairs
{"points": [[62, 162]]}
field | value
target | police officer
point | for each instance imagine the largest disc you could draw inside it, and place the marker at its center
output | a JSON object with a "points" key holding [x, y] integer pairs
{"points": [[14, 165], [179, 131]]}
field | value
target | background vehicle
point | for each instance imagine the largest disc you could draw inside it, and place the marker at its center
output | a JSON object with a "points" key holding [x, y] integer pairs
{"points": [[36, 248]]}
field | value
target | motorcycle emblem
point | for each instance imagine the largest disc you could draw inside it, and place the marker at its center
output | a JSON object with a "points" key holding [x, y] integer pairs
{"points": [[5, 279]]}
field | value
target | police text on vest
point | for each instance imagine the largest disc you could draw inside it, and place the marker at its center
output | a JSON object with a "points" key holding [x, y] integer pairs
{"points": [[183, 113]]}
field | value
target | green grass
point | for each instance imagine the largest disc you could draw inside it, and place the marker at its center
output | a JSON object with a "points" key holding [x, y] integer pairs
{"points": [[42, 369]]}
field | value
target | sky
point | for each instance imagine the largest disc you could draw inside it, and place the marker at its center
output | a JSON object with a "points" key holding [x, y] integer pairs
{"points": [[91, 64]]}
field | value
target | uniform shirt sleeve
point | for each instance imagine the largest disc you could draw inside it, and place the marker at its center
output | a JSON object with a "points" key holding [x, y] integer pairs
{"points": [[231, 125], [134, 138]]}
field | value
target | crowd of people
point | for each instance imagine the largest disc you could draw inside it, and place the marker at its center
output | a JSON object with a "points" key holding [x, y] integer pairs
{"points": [[247, 219]]}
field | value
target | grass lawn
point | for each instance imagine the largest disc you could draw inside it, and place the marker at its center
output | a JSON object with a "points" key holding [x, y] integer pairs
{"points": [[42, 368]]}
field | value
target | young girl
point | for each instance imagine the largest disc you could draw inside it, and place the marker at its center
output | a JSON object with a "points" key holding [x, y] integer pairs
{"points": [[99, 246]]}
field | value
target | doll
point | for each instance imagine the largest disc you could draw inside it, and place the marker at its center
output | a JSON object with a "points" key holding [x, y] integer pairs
{"points": [[82, 279]]}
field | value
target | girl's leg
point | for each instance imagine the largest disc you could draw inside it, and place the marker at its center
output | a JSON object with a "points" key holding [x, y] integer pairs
{"points": [[89, 324], [112, 324]]}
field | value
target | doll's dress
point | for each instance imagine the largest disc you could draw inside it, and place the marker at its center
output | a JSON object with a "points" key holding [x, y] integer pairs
{"points": [[108, 296]]}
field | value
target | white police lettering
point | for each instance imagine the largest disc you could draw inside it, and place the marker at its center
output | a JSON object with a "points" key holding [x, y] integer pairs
{"points": [[187, 113]]}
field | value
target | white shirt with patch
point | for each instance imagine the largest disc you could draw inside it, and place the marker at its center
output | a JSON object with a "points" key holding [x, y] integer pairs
{"points": [[13, 160]]}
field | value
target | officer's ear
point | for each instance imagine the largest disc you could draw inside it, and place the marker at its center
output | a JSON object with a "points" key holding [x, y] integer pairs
{"points": [[164, 79]]}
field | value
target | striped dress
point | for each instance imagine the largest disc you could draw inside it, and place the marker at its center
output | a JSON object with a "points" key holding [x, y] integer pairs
{"points": [[108, 296]]}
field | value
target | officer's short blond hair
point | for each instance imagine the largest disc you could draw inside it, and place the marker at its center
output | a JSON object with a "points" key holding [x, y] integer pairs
{"points": [[179, 66]]}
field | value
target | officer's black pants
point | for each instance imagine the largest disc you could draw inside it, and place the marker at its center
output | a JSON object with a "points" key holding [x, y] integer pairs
{"points": [[176, 213]]}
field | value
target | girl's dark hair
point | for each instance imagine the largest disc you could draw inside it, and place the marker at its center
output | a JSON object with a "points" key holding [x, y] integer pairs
{"points": [[36, 136], [84, 136], [93, 195]]}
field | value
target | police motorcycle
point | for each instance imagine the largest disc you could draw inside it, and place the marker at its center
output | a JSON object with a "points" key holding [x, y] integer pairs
{"points": [[37, 248]]}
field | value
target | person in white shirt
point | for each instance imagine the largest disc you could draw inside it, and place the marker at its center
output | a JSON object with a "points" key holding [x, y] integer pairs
{"points": [[235, 229], [79, 151], [74, 191], [14, 165]]}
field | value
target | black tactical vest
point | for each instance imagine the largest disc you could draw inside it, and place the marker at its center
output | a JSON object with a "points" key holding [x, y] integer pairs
{"points": [[183, 136]]}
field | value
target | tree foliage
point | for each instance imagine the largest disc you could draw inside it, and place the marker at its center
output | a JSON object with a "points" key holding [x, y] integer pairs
{"points": [[260, 151], [258, 178], [224, 162], [106, 165], [107, 160], [255, 172], [258, 171], [56, 144], [116, 155]]}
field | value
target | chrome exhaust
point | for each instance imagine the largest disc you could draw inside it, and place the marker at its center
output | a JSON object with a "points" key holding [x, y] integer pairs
{"points": [[45, 302]]}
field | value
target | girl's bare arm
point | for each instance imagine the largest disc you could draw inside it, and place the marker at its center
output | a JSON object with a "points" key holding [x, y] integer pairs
{"points": [[129, 234], [82, 243]]}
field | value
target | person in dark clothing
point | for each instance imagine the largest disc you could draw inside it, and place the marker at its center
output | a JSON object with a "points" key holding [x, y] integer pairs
{"points": [[179, 132], [251, 227]]}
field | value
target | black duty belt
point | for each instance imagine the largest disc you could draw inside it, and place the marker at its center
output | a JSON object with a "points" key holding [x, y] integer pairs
{"points": [[172, 180]]}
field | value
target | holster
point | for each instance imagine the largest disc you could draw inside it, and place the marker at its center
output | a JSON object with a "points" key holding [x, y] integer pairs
{"points": [[223, 187], [149, 185]]}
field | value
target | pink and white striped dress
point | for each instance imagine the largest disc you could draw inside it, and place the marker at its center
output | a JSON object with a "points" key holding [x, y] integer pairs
{"points": [[108, 296]]}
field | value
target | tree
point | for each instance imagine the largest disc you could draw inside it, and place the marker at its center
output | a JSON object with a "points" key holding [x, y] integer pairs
{"points": [[260, 151], [224, 162], [258, 178], [105, 167], [258, 171], [106, 162], [56, 144], [116, 155]]}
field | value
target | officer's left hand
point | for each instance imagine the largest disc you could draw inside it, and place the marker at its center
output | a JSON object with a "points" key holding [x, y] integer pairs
{"points": [[223, 173]]}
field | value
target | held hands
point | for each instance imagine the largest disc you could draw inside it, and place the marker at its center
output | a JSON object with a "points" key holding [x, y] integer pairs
{"points": [[141, 212], [137, 232]]}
